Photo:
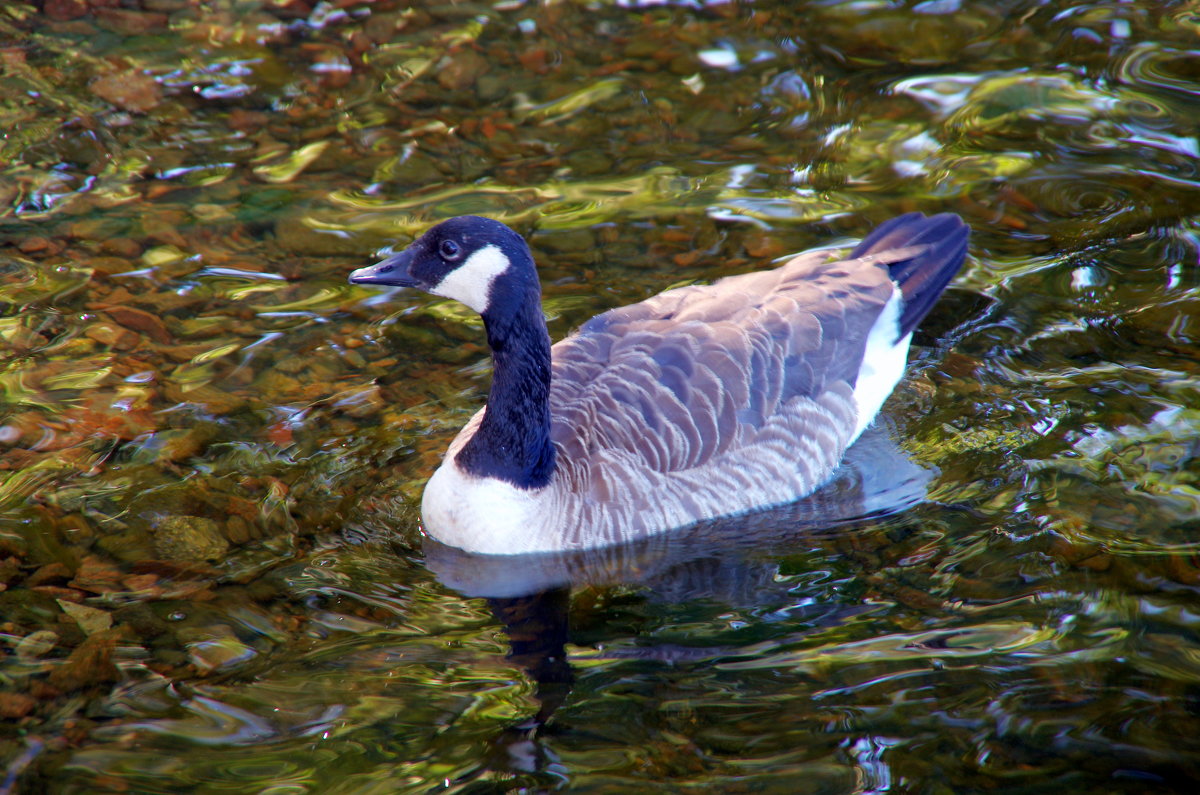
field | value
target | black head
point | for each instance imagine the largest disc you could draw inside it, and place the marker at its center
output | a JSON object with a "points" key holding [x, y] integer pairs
{"points": [[466, 258]]}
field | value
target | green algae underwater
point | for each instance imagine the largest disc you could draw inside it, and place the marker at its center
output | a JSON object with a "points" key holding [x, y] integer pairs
{"points": [[212, 449]]}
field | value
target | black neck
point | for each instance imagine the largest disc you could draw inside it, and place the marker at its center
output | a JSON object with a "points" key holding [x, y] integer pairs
{"points": [[513, 440]]}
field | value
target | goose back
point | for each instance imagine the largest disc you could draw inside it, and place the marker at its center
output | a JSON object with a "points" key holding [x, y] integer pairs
{"points": [[709, 400]]}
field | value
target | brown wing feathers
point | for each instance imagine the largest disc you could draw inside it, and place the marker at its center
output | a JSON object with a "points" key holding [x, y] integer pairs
{"points": [[745, 386], [677, 380]]}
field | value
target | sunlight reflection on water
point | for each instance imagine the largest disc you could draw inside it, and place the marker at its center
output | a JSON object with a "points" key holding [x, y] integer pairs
{"points": [[184, 370]]}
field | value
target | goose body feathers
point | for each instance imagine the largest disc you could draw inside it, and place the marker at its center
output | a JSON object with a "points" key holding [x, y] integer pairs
{"points": [[699, 402]]}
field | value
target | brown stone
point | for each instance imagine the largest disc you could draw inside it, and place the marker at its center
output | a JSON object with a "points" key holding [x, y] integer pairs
{"points": [[16, 705], [461, 70], [247, 120], [161, 229], [32, 245], [10, 568], [48, 573], [59, 592], [97, 575], [763, 246], [132, 91], [140, 582], [64, 10], [90, 664], [130, 22], [140, 320], [189, 538], [90, 619], [238, 530], [43, 691], [111, 335], [122, 247]]}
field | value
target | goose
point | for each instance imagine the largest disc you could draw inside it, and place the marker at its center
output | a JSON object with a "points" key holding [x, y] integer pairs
{"points": [[700, 402]]}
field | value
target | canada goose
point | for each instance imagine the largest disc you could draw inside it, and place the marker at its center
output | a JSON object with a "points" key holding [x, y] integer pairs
{"points": [[700, 402]]}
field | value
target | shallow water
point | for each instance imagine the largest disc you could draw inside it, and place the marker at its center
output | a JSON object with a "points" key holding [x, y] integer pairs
{"points": [[212, 447]]}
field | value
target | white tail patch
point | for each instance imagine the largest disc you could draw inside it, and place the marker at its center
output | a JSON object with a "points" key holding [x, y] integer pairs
{"points": [[883, 363], [471, 282]]}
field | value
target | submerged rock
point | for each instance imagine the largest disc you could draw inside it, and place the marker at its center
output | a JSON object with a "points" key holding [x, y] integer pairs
{"points": [[16, 705], [36, 644], [90, 664], [218, 649], [189, 538], [90, 619], [132, 91]]}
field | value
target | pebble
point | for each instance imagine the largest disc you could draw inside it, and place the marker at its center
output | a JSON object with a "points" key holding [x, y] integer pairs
{"points": [[132, 91], [220, 651], [189, 538], [32, 245], [112, 336], [90, 664], [65, 10], [90, 619], [462, 70], [36, 644], [16, 705], [121, 247], [130, 22]]}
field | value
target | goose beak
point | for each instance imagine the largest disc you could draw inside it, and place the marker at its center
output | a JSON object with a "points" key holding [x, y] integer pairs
{"points": [[395, 271]]}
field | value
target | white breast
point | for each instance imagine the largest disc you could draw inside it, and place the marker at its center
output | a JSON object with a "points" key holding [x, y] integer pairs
{"points": [[483, 515]]}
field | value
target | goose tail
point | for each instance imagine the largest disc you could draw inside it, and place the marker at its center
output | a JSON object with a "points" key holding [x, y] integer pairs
{"points": [[921, 278]]}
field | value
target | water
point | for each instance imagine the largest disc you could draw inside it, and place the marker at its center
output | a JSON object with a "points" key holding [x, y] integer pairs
{"points": [[212, 448]]}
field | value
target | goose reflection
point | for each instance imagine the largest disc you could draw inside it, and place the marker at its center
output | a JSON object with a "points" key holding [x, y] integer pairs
{"points": [[733, 561]]}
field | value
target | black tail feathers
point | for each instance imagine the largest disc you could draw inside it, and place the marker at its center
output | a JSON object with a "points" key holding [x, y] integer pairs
{"points": [[923, 277]]}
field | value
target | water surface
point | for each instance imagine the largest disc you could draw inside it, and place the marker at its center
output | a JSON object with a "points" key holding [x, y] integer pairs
{"points": [[212, 448]]}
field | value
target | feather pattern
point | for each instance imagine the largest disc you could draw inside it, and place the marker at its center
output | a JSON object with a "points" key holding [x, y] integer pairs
{"points": [[704, 401]]}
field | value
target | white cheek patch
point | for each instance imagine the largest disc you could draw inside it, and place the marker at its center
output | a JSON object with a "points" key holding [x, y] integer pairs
{"points": [[472, 281]]}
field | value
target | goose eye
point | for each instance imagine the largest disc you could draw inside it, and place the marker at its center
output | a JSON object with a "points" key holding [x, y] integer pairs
{"points": [[449, 249]]}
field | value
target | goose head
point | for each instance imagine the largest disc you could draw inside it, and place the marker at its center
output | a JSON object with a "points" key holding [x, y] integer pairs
{"points": [[477, 261]]}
